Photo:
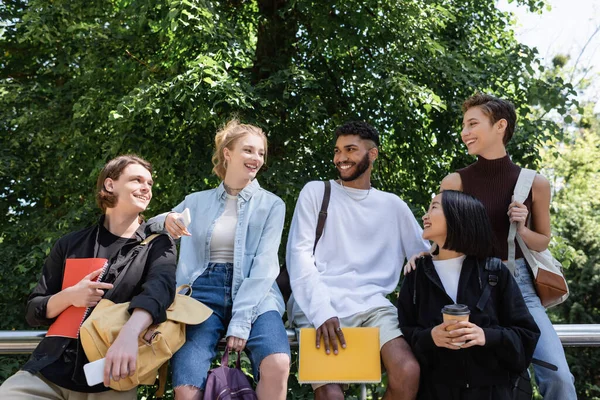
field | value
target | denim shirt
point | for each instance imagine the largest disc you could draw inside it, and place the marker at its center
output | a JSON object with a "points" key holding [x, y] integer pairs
{"points": [[255, 260]]}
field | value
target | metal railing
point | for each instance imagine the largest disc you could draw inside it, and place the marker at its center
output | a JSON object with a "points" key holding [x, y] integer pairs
{"points": [[571, 335], [578, 335]]}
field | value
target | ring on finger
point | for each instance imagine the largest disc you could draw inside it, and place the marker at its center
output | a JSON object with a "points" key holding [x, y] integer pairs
{"points": [[338, 329]]}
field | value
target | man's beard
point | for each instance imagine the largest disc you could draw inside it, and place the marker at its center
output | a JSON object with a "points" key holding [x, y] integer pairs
{"points": [[361, 168]]}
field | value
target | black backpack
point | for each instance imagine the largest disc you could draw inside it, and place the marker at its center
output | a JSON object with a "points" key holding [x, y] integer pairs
{"points": [[520, 383]]}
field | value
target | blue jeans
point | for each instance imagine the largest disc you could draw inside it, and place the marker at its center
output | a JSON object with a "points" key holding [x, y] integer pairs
{"points": [[213, 288], [554, 385]]}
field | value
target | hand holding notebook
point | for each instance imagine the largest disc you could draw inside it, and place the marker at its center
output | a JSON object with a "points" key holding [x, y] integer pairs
{"points": [[331, 332], [358, 362], [80, 275], [88, 291]]}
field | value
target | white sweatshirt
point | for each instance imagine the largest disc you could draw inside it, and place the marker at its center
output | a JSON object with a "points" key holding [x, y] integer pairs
{"points": [[359, 257]]}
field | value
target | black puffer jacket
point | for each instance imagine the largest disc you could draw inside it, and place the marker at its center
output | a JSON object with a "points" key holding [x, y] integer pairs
{"points": [[511, 334]]}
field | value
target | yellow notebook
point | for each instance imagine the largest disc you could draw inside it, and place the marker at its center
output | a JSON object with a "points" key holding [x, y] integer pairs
{"points": [[359, 362]]}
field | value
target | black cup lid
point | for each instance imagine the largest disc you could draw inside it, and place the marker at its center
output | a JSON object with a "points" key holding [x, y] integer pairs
{"points": [[456, 309]]}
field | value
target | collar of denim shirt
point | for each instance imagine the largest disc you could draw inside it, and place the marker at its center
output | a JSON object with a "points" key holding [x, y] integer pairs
{"points": [[245, 194]]}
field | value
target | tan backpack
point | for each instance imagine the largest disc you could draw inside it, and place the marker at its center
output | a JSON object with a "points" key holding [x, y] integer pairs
{"points": [[102, 327]]}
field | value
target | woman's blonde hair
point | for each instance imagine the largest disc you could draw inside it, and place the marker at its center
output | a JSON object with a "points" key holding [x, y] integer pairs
{"points": [[227, 137]]}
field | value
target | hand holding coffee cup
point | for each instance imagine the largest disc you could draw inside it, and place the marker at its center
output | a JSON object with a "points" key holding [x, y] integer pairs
{"points": [[455, 313]]}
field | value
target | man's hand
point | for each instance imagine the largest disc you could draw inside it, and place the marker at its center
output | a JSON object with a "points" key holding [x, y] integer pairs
{"points": [[331, 331], [236, 344], [87, 293], [411, 264], [468, 332], [121, 357]]}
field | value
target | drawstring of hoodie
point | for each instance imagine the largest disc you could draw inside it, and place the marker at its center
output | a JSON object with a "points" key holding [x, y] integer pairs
{"points": [[415, 291]]}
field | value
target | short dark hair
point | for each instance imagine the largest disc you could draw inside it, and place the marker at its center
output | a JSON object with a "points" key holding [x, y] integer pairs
{"points": [[359, 128], [468, 226], [495, 109], [113, 169]]}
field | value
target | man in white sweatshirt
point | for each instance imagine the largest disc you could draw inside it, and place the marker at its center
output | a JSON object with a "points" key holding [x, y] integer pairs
{"points": [[367, 235]]}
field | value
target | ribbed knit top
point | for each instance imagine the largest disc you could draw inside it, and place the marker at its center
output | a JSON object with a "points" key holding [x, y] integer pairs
{"points": [[493, 182]]}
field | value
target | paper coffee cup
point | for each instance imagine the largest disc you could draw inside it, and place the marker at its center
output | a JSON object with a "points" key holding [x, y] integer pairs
{"points": [[455, 312]]}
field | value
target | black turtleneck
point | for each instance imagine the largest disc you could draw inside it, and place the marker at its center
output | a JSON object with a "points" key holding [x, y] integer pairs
{"points": [[493, 182]]}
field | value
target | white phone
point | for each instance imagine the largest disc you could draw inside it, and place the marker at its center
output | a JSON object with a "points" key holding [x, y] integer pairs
{"points": [[94, 372], [185, 217]]}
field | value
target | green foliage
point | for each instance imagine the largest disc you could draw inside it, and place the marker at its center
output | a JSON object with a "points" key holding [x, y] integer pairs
{"points": [[84, 81], [574, 169]]}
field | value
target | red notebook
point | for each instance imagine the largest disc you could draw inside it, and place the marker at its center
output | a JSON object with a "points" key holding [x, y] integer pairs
{"points": [[68, 322]]}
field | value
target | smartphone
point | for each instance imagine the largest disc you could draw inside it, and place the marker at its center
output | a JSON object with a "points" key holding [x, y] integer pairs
{"points": [[94, 372], [185, 217]]}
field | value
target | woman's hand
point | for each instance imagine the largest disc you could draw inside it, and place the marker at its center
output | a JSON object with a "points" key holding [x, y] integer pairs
{"points": [[441, 337], [467, 334], [236, 344], [517, 212], [175, 227], [411, 264]]}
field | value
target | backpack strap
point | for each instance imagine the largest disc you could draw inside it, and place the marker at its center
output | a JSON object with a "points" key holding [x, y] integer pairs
{"points": [[283, 279], [150, 238], [137, 275], [415, 272], [491, 265], [322, 214], [522, 189], [544, 364], [162, 380]]}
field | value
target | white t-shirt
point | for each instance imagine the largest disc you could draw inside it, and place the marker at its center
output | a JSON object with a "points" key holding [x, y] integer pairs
{"points": [[358, 259], [449, 273], [223, 235]]}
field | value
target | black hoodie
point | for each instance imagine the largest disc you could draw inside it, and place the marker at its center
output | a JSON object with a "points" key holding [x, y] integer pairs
{"points": [[511, 334]]}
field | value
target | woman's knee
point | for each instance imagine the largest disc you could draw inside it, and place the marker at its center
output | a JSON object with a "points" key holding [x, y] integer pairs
{"points": [[275, 367]]}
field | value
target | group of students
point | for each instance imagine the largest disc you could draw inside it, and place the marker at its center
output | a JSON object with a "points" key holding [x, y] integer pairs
{"points": [[341, 270]]}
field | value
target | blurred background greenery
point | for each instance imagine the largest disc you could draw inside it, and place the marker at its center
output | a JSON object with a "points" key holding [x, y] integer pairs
{"points": [[84, 81]]}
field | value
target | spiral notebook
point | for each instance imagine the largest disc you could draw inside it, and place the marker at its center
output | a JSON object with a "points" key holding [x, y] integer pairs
{"points": [[68, 322], [359, 362]]}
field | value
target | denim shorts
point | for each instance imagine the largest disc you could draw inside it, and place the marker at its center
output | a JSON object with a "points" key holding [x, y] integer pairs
{"points": [[213, 288]]}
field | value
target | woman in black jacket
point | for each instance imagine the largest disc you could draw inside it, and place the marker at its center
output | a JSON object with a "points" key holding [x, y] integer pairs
{"points": [[472, 359]]}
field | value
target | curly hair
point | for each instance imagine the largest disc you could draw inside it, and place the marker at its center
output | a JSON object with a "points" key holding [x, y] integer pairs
{"points": [[360, 128]]}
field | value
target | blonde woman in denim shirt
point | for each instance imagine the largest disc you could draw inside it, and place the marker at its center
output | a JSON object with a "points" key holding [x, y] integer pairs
{"points": [[229, 256]]}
